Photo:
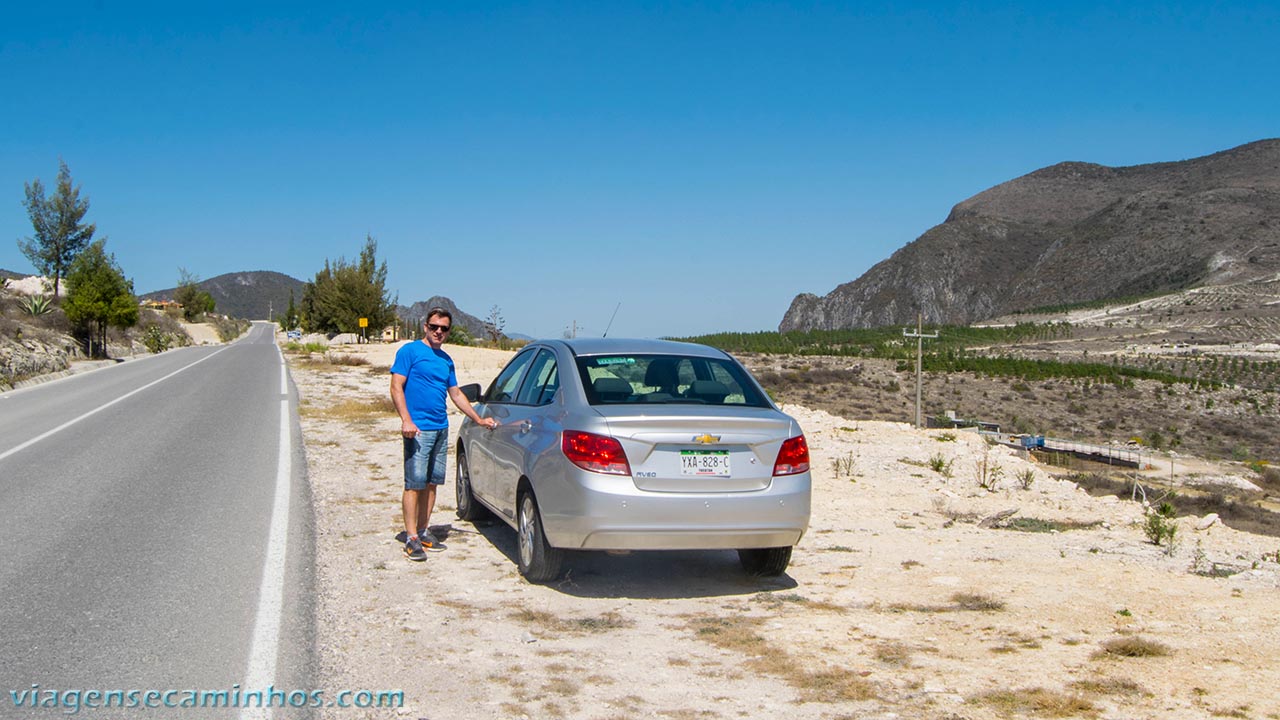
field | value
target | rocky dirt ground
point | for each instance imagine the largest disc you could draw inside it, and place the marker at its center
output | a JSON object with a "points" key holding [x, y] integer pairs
{"points": [[900, 601]]}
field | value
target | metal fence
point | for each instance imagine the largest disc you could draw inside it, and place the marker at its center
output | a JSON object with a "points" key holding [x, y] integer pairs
{"points": [[1120, 454]]}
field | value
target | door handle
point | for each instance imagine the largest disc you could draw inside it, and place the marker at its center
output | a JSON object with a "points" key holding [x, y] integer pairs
{"points": [[526, 426]]}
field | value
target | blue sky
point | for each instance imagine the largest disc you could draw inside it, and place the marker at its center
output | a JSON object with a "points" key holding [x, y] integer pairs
{"points": [[695, 165]]}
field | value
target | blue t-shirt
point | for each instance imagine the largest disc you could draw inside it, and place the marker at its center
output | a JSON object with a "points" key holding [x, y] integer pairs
{"points": [[429, 374]]}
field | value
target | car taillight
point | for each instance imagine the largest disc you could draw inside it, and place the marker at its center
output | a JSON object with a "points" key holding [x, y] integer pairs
{"points": [[597, 453], [793, 457]]}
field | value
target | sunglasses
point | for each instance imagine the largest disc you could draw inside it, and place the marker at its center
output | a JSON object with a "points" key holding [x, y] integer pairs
{"points": [[437, 328]]}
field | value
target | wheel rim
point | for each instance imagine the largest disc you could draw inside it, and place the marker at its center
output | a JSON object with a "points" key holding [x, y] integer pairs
{"points": [[527, 522], [464, 484]]}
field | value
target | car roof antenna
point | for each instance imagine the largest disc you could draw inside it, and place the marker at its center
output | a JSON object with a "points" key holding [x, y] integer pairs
{"points": [[611, 317]]}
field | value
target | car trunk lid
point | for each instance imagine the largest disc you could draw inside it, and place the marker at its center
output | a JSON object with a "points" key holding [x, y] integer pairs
{"points": [[701, 450]]}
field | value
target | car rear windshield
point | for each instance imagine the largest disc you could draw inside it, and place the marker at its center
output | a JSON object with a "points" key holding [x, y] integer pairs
{"points": [[617, 379]]}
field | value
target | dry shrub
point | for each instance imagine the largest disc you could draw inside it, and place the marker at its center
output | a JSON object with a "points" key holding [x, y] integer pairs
{"points": [[778, 599], [1035, 702], [1133, 646], [1039, 525], [893, 653], [1269, 478], [1110, 686], [976, 601], [832, 686], [739, 634], [554, 623], [348, 360], [736, 633], [354, 410]]}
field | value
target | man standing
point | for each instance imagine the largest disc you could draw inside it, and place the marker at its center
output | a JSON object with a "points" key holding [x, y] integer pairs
{"points": [[421, 376]]}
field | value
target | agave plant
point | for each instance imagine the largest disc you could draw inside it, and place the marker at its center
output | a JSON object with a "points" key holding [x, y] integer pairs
{"points": [[36, 305]]}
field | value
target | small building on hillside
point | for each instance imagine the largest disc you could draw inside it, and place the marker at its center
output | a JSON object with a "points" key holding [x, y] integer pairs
{"points": [[160, 305]]}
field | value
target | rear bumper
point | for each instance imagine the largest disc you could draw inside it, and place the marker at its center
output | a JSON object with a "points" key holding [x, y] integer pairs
{"points": [[602, 512]]}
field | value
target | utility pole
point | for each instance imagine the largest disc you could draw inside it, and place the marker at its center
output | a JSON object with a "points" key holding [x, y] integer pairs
{"points": [[919, 336]]}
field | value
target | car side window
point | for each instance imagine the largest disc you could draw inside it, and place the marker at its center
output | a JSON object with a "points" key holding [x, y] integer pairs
{"points": [[505, 385], [542, 382]]}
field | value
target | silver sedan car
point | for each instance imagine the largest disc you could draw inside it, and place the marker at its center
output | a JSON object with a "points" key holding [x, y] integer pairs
{"points": [[610, 444]]}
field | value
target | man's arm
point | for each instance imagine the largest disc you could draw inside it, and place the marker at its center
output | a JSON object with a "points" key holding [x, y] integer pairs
{"points": [[463, 404], [407, 427]]}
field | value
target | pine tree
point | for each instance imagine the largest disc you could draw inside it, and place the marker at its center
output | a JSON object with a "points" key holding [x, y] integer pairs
{"points": [[98, 296], [290, 319], [343, 292], [59, 235]]}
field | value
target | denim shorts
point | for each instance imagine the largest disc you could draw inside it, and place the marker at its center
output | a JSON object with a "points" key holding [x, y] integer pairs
{"points": [[424, 458]]}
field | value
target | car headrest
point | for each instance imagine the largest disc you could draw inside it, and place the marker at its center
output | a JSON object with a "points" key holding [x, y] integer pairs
{"points": [[611, 388]]}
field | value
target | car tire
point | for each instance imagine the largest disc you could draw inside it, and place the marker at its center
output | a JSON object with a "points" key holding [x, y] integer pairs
{"points": [[468, 507], [765, 562], [538, 561]]}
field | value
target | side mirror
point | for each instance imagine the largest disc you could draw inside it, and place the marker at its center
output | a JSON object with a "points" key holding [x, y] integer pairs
{"points": [[471, 391]]}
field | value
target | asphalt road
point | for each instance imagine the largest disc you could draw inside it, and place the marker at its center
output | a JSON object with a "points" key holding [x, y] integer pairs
{"points": [[155, 532]]}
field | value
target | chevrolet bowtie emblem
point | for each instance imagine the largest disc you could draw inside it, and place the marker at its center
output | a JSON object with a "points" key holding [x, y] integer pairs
{"points": [[705, 439]]}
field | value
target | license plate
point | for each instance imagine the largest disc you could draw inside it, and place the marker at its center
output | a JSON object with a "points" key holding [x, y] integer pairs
{"points": [[704, 462]]}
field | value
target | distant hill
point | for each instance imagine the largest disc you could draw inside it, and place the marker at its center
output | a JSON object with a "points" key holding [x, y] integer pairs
{"points": [[9, 274], [417, 312], [1071, 233], [253, 295]]}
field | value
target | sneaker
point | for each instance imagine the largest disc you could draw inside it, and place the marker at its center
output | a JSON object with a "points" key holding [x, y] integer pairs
{"points": [[401, 537], [413, 550], [429, 542]]}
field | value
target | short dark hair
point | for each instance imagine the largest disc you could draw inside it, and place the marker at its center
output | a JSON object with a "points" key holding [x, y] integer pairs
{"points": [[438, 312]]}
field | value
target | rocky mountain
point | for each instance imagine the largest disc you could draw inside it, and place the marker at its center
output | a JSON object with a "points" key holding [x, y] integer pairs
{"points": [[416, 312], [253, 295], [1071, 233]]}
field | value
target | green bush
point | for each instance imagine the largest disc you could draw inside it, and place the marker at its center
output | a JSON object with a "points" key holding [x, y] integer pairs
{"points": [[460, 336], [307, 348], [228, 328], [941, 465], [1159, 526]]}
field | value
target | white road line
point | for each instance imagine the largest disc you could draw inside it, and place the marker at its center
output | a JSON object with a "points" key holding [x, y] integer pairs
{"points": [[265, 646], [284, 372], [100, 408]]}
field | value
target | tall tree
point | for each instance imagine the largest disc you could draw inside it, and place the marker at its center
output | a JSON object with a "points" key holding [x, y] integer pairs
{"points": [[59, 233], [290, 319], [194, 301], [495, 324], [98, 296], [343, 292]]}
